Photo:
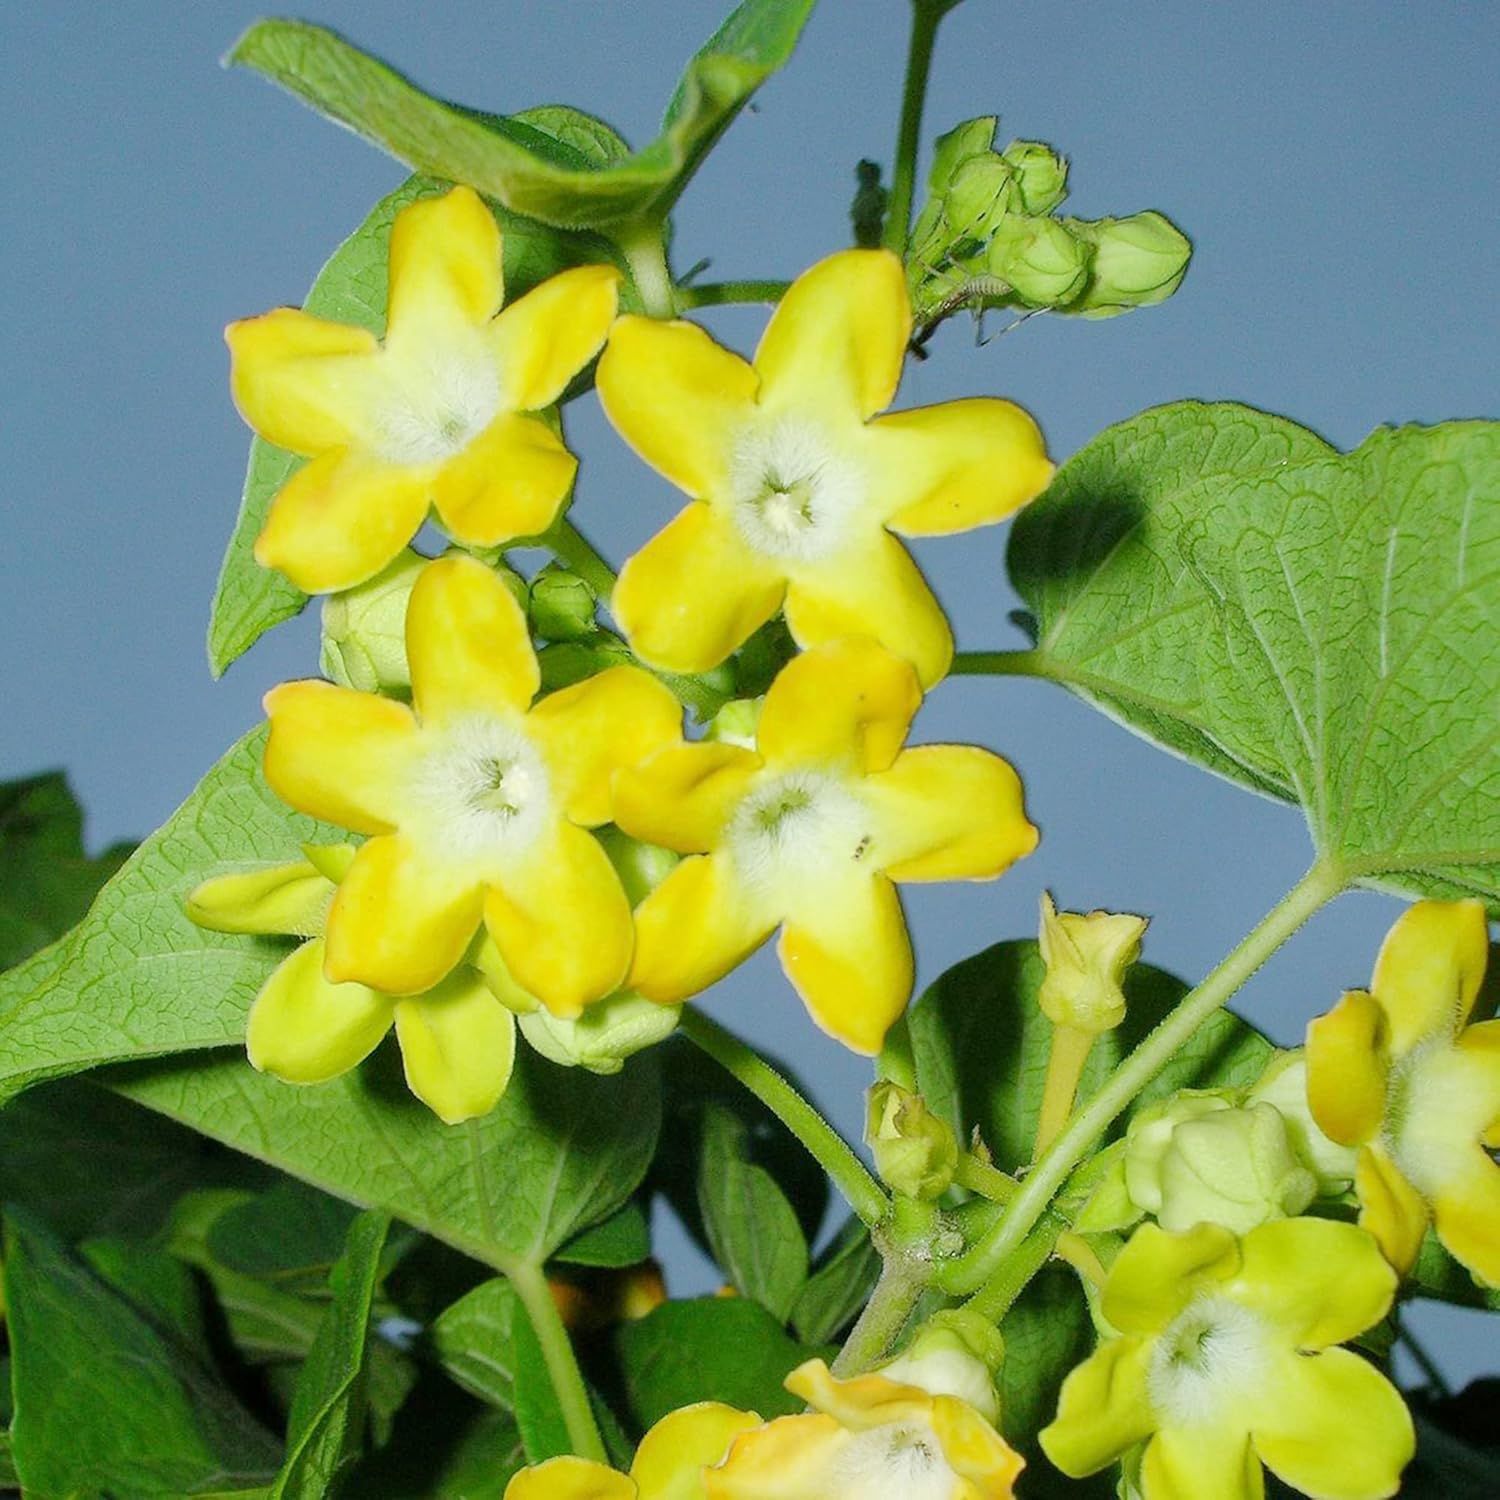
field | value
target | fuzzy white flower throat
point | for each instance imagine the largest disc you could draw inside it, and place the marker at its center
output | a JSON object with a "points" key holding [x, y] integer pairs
{"points": [[435, 400], [1211, 1355], [896, 1462], [801, 826]]}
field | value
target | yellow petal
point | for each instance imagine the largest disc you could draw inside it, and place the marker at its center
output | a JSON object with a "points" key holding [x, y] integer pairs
{"points": [[1390, 1208], [1429, 970], [570, 1478], [694, 928], [792, 1458], [543, 340], [1333, 1426], [974, 1450], [677, 398], [508, 483], [875, 590], [1319, 1281], [1467, 1214], [848, 703], [301, 382], [339, 755], [282, 899], [849, 958], [683, 796], [592, 729], [444, 265], [401, 919], [860, 1402], [1157, 1274], [305, 1030], [669, 1463], [562, 922], [1481, 1044], [458, 1044], [1347, 1070], [467, 643], [1193, 1463], [837, 340], [1102, 1410], [948, 812], [694, 593], [941, 469], [340, 519]]}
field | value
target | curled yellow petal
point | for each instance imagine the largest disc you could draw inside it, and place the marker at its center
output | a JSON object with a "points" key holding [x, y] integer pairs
{"points": [[1466, 1211], [1390, 1208], [570, 1478], [1192, 1463], [444, 265], [546, 337], [683, 796], [1347, 1069], [1103, 1409], [792, 1458], [509, 482], [458, 1044], [1429, 970], [974, 1451], [670, 1461], [1157, 1274], [282, 899]]}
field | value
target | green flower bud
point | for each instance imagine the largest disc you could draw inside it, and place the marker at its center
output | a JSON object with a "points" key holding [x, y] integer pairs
{"points": [[1046, 264], [641, 866], [1109, 1206], [364, 630], [1137, 261], [955, 1353], [916, 1153], [1087, 958], [561, 605], [951, 151], [736, 722], [604, 1035], [1149, 1138], [1284, 1086], [1041, 175], [978, 197]]}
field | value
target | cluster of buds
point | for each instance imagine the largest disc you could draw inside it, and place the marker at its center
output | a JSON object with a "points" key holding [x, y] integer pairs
{"points": [[989, 236]]}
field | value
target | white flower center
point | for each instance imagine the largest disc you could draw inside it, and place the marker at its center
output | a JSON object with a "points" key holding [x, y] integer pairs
{"points": [[898, 1462], [804, 826], [1439, 1104], [795, 495], [436, 399], [1210, 1356], [481, 791]]}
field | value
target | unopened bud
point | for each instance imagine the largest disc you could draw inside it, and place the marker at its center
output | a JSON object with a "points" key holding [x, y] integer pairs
{"points": [[1086, 957], [1137, 261], [1284, 1086], [978, 197], [951, 151], [954, 1353], [561, 605], [1045, 264], [736, 723], [604, 1034], [916, 1153], [364, 630], [641, 866], [1041, 175]]}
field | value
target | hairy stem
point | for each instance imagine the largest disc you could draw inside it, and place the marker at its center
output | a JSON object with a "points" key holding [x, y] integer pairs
{"points": [[727, 293], [1008, 1280], [832, 1152], [646, 254], [925, 18], [572, 547], [562, 1365], [901, 1282], [981, 1177], [998, 664]]}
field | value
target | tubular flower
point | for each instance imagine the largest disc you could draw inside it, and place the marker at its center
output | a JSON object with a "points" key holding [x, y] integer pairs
{"points": [[1396, 1072], [436, 414], [1225, 1362], [668, 1465], [796, 483], [874, 1437], [476, 805], [458, 1041], [810, 828]]}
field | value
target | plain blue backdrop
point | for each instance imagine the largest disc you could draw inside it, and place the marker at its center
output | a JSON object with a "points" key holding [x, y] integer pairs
{"points": [[1334, 163]]}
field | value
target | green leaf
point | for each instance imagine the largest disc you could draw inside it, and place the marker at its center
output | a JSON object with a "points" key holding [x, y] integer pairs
{"points": [[326, 1428], [751, 1226], [79, 1346], [1437, 1275], [544, 1430], [136, 978], [535, 165], [1357, 654], [623, 1239], [289, 1232], [474, 1339], [1119, 613], [981, 1045], [709, 1349], [46, 879], [351, 288], [839, 1287]]}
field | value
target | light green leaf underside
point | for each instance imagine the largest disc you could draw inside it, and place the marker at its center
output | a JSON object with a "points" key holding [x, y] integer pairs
{"points": [[474, 1338], [839, 1287]]}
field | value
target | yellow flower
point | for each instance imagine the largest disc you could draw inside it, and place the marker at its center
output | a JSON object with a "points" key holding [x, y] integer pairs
{"points": [[1225, 1362], [1086, 959], [871, 1437], [476, 805], [809, 829], [457, 1039], [435, 415], [1396, 1072], [668, 1465], [795, 488]]}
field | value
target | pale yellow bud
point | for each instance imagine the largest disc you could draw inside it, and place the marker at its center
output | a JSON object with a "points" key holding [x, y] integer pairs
{"points": [[1086, 958]]}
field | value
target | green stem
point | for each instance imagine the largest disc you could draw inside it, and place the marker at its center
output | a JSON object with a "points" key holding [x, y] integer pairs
{"points": [[580, 554], [986, 1180], [645, 253], [1065, 1063], [925, 18], [1319, 886], [993, 1300], [998, 664], [901, 1282], [562, 1366], [726, 293], [832, 1151]]}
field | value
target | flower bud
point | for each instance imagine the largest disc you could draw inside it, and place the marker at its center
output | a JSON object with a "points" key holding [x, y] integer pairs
{"points": [[916, 1153], [561, 605], [1045, 263], [1041, 175], [736, 723], [364, 630], [641, 866], [1284, 1086], [1086, 959], [603, 1035], [978, 197], [1149, 1138], [1137, 261], [951, 151], [955, 1353]]}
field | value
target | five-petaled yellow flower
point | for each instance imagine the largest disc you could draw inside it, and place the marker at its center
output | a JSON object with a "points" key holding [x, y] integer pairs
{"points": [[796, 483], [668, 1465], [477, 805], [1396, 1072], [810, 829], [436, 414], [871, 1437], [1225, 1361]]}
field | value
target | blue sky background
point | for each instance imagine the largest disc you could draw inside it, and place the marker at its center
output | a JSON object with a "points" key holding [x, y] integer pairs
{"points": [[1333, 162]]}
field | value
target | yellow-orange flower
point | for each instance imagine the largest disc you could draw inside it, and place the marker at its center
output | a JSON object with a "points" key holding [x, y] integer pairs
{"points": [[436, 414], [476, 804], [810, 828], [1396, 1072], [797, 485]]}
